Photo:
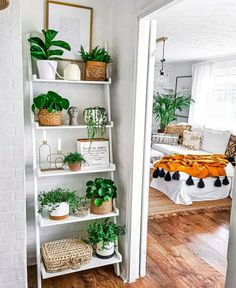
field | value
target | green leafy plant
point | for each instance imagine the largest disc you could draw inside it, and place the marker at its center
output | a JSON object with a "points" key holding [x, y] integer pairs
{"points": [[83, 202], [105, 231], [73, 158], [96, 54], [166, 105], [43, 50], [50, 101], [53, 198], [96, 121], [100, 190]]}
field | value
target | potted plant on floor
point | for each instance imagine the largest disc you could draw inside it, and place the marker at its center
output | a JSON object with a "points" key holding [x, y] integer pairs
{"points": [[50, 106], [95, 63], [101, 192], [74, 161], [103, 236], [82, 208], [46, 54], [96, 121], [57, 202], [165, 107]]}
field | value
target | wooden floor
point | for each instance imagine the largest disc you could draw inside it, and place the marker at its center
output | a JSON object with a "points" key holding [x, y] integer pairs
{"points": [[183, 252]]}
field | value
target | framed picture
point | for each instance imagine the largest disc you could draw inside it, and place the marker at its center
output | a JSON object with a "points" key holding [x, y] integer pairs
{"points": [[183, 85], [74, 24]]}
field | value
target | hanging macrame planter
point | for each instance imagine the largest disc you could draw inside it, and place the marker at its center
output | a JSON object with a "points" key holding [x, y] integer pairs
{"points": [[4, 4]]}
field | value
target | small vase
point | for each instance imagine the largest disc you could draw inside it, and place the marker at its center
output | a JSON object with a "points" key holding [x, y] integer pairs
{"points": [[105, 250]]}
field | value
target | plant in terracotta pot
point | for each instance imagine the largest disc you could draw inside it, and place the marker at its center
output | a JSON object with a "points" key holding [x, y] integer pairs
{"points": [[57, 203], [50, 106], [103, 236], [82, 208], [101, 192], [96, 121], [166, 105], [74, 161], [95, 63], [46, 54]]}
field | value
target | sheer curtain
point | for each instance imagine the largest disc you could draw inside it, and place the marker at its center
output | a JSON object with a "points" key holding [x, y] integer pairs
{"points": [[214, 93]]}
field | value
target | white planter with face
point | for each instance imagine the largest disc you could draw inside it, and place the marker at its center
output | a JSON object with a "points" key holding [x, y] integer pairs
{"points": [[47, 69], [60, 212], [105, 251]]}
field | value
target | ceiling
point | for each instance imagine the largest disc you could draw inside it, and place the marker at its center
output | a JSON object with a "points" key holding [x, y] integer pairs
{"points": [[198, 30]]}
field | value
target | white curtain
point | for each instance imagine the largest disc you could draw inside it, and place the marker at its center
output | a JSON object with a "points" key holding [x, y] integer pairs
{"points": [[214, 93]]}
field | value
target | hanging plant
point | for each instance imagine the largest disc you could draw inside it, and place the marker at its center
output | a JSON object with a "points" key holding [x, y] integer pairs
{"points": [[96, 121]]}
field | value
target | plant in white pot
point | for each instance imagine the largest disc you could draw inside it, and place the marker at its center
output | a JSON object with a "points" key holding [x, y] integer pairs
{"points": [[103, 236], [57, 203], [96, 120], [46, 54]]}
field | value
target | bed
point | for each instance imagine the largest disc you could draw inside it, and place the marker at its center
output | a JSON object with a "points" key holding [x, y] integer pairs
{"points": [[180, 193]]}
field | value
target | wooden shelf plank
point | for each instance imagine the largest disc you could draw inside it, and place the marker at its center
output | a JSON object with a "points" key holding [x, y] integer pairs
{"points": [[95, 263], [46, 222], [38, 127], [35, 80], [84, 170]]}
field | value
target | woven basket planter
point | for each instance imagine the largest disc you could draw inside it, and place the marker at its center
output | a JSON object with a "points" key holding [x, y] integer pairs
{"points": [[49, 119], [105, 208], [94, 71], [65, 254]]}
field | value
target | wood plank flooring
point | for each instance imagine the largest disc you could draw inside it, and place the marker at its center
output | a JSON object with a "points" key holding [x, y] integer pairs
{"points": [[183, 252]]}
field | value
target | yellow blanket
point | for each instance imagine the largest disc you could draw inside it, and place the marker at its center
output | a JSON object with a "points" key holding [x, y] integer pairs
{"points": [[200, 166]]}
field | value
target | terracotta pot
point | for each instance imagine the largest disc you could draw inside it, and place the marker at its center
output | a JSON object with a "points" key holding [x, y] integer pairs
{"points": [[61, 212], [95, 71], [49, 119], [75, 166], [105, 208]]}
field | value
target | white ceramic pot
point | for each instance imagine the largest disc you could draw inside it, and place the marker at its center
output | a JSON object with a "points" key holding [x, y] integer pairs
{"points": [[72, 72], [94, 113], [61, 212], [47, 69], [105, 252]]}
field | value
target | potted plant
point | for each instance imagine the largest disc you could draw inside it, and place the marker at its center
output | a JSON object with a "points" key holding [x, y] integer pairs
{"points": [[50, 106], [95, 63], [101, 192], [165, 107], [82, 208], [74, 161], [103, 236], [57, 203], [96, 121], [46, 54]]}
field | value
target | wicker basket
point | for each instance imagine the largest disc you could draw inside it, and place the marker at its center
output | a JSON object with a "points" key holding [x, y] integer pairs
{"points": [[49, 119], [65, 254], [105, 208], [94, 71]]}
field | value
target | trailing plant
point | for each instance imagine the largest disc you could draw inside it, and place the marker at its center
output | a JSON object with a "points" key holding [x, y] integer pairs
{"points": [[101, 190], [43, 50], [50, 101], [83, 202], [166, 105], [106, 231], [54, 197], [73, 158], [96, 121], [96, 54]]}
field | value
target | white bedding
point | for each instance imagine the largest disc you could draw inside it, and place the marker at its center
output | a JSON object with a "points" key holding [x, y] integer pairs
{"points": [[181, 193]]}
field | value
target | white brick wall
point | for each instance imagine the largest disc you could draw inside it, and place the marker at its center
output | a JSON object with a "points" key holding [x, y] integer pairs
{"points": [[12, 195]]}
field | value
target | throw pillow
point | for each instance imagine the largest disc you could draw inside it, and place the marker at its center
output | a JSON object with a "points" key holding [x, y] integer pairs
{"points": [[178, 129], [215, 141], [163, 138], [192, 140], [230, 151]]}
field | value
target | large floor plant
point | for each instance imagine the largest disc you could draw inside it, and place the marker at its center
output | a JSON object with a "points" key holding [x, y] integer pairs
{"points": [[166, 105]]}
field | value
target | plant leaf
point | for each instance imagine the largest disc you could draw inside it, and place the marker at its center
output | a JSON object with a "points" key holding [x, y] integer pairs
{"points": [[54, 52], [107, 198], [62, 44], [97, 202]]}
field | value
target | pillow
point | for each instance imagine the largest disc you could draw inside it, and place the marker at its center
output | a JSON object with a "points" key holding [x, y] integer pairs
{"points": [[230, 151], [215, 141], [192, 140], [178, 129], [163, 138]]}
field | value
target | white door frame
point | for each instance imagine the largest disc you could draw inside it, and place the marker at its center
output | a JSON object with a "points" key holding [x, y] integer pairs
{"points": [[144, 74]]}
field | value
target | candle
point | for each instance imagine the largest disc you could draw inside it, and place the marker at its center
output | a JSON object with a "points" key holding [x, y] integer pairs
{"points": [[44, 136], [59, 144]]}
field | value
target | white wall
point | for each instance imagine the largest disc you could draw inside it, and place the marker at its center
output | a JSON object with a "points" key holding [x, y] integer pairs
{"points": [[80, 96], [12, 195]]}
